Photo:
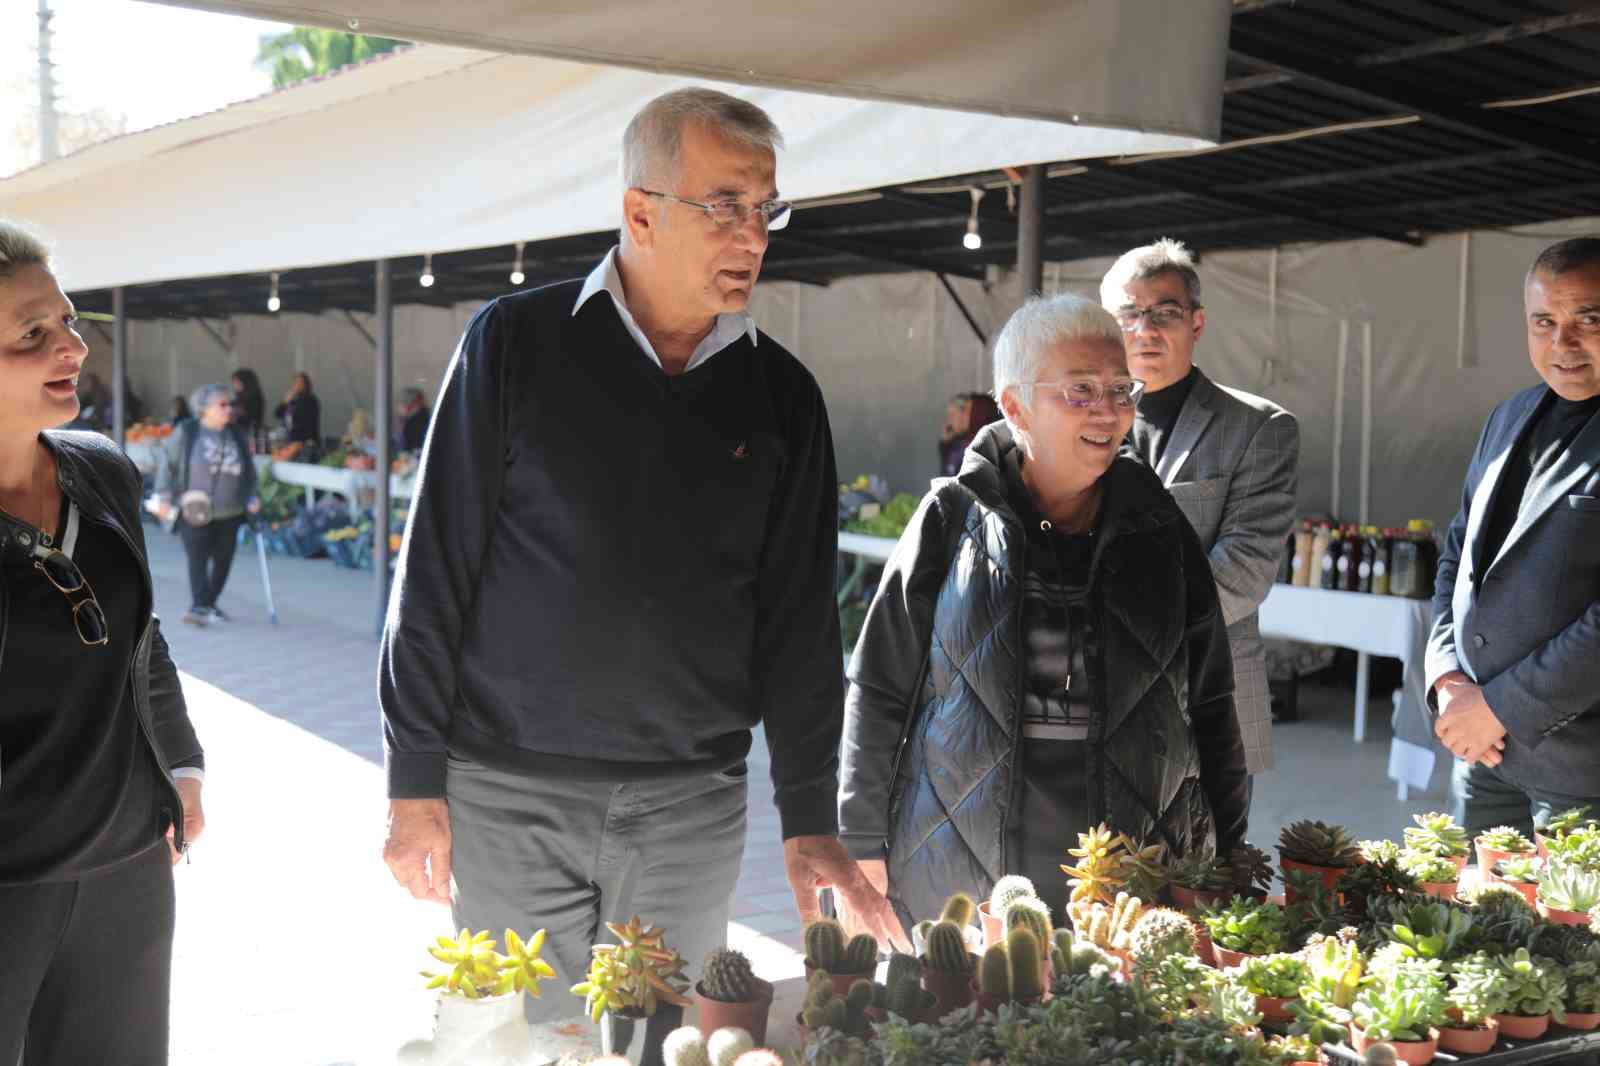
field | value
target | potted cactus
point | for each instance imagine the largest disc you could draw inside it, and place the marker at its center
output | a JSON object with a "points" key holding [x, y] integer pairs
{"points": [[1583, 991], [1275, 981], [825, 1008], [1561, 825], [1159, 932], [948, 967], [1246, 927], [1521, 874], [1313, 847], [1009, 971], [904, 994], [1109, 928], [729, 995], [637, 980], [1072, 956], [1501, 842], [1568, 892], [480, 1011], [1034, 916], [1401, 1006], [688, 1046], [847, 961], [1439, 834], [1437, 873], [1478, 989], [992, 911], [1536, 991]]}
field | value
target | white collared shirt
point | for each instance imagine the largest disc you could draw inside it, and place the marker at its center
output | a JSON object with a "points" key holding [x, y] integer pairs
{"points": [[729, 328]]}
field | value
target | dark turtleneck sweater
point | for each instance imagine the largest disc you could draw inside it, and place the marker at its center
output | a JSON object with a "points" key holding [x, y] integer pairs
{"points": [[1548, 434], [1158, 414]]}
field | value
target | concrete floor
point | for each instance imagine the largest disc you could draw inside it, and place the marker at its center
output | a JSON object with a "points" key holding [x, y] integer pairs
{"points": [[294, 946]]}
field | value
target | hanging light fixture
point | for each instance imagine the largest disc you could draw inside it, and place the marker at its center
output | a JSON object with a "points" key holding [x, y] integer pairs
{"points": [[517, 276], [426, 280], [273, 303], [973, 239]]}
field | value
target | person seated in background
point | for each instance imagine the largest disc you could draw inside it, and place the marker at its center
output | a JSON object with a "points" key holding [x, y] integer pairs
{"points": [[413, 415], [966, 414], [1056, 585]]}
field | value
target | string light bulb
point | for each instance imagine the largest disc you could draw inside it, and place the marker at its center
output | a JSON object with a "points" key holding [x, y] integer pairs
{"points": [[426, 280], [273, 303], [973, 239], [517, 276]]}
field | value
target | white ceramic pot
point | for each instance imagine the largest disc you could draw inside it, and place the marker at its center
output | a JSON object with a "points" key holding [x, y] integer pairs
{"points": [[474, 1032]]}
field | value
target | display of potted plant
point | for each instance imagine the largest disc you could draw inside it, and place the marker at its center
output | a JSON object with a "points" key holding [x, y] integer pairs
{"points": [[825, 1008], [1225, 999], [1439, 834], [1246, 927], [1403, 1007], [1583, 991], [1174, 981], [1275, 981], [948, 967], [1317, 848], [1567, 892], [1501, 842], [1578, 847], [1073, 956], [1561, 825], [479, 1015], [1478, 989], [1520, 873], [1436, 873], [1536, 991], [1373, 879], [846, 961], [992, 911], [635, 991], [1295, 1050], [1100, 872], [729, 995], [1378, 850], [1161, 931], [688, 1046], [1430, 931], [1009, 972]]}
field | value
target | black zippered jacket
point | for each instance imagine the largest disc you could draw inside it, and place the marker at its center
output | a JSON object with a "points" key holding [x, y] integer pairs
{"points": [[95, 474], [613, 574]]}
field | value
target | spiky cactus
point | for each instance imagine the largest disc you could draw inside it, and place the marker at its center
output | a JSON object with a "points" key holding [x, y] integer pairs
{"points": [[1071, 956], [726, 1045], [1160, 932], [860, 954], [994, 973], [959, 909], [824, 1009], [947, 949], [728, 978], [825, 945], [1026, 965], [905, 995], [1032, 914], [685, 1047], [1319, 844], [1006, 890]]}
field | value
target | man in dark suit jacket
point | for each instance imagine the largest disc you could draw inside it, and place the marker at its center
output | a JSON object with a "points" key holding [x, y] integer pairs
{"points": [[1514, 659], [1228, 458]]}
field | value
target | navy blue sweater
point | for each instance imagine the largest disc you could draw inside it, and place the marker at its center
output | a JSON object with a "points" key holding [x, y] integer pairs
{"points": [[614, 574]]}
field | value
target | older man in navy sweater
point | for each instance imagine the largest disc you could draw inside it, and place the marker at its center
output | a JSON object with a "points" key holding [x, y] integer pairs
{"points": [[620, 559]]}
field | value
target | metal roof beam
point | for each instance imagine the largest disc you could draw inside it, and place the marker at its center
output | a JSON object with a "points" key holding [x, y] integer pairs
{"points": [[899, 257]]}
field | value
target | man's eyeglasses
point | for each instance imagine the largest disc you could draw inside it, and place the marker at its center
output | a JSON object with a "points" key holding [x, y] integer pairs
{"points": [[1162, 316], [730, 213], [64, 574], [1088, 393]]}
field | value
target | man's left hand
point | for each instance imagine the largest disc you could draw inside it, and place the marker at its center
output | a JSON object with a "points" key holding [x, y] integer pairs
{"points": [[814, 862], [1468, 727]]}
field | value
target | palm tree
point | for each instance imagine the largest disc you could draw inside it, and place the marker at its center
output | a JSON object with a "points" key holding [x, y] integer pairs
{"points": [[305, 52]]}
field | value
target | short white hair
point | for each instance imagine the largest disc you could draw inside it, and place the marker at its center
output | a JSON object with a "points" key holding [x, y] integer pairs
{"points": [[653, 142], [1165, 256], [1040, 325], [201, 399]]}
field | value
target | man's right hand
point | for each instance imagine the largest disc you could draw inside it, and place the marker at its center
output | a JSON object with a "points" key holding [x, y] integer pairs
{"points": [[418, 848]]}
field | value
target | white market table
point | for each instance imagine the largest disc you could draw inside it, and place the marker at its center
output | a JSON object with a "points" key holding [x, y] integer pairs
{"points": [[345, 482], [865, 547]]}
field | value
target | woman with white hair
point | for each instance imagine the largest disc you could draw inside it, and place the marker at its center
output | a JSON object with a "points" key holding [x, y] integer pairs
{"points": [[98, 760], [207, 481], [1045, 651]]}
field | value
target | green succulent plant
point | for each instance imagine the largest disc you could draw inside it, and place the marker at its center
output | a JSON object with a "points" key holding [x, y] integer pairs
{"points": [[1505, 838], [477, 969], [634, 975], [1401, 1005], [1379, 850], [1375, 877], [1580, 847], [1319, 1019], [1173, 980], [1100, 872], [1072, 956], [1535, 985], [827, 949], [1318, 844], [1278, 975], [1428, 867], [1524, 870], [1231, 1003], [1250, 926], [1437, 833], [1566, 821], [1569, 887], [1432, 930], [1478, 988], [1583, 987]]}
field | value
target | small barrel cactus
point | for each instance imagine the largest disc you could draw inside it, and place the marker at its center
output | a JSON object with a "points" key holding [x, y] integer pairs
{"points": [[1027, 972], [947, 949], [994, 973], [959, 909], [685, 1047], [725, 1046], [1006, 890], [1160, 932], [860, 955], [728, 978], [825, 945], [1033, 915]]}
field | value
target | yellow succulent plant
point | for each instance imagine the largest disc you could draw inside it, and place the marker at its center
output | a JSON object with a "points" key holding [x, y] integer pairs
{"points": [[477, 969]]}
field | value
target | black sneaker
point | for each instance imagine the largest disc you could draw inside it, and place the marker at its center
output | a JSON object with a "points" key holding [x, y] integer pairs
{"points": [[197, 616], [217, 614]]}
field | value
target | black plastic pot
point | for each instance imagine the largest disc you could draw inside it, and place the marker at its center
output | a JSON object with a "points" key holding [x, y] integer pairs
{"points": [[639, 1039]]}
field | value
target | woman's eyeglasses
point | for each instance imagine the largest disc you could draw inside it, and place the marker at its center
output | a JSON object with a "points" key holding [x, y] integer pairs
{"points": [[1089, 393], [59, 569]]}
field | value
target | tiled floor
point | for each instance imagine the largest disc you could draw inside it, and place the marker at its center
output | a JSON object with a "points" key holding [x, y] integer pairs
{"points": [[295, 948]]}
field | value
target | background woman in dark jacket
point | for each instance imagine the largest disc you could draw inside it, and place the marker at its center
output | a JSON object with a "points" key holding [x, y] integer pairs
{"points": [[249, 405], [100, 770], [1046, 643], [301, 412]]}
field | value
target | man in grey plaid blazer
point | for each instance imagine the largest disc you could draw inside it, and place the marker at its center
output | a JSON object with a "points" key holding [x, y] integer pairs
{"points": [[1227, 457]]}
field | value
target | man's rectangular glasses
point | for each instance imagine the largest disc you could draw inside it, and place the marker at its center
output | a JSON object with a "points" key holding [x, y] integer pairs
{"points": [[730, 213], [1162, 316], [59, 569], [1088, 393]]}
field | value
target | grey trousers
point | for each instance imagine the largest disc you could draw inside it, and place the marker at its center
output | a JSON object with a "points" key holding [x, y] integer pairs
{"points": [[1483, 798], [568, 856]]}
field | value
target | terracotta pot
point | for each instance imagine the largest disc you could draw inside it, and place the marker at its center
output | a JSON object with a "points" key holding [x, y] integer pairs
{"points": [[750, 1016], [1192, 899], [1440, 889], [1530, 892], [1522, 1027], [993, 932], [1329, 874], [1204, 949], [1469, 1041], [1460, 861], [1541, 844], [1227, 957], [952, 990], [986, 1004], [1561, 917], [1275, 1008], [1488, 856], [1581, 1022], [841, 981], [1412, 1052]]}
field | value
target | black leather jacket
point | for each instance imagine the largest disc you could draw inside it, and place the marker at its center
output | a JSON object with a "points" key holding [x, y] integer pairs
{"points": [[95, 474], [934, 794]]}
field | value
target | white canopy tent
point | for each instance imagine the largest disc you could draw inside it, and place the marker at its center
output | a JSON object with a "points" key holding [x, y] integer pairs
{"points": [[1152, 65]]}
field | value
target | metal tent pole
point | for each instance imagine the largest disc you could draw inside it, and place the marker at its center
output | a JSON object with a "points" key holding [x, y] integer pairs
{"points": [[1030, 232], [119, 363], [383, 416]]}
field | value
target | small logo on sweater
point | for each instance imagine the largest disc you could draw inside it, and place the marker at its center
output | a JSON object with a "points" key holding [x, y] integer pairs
{"points": [[741, 453]]}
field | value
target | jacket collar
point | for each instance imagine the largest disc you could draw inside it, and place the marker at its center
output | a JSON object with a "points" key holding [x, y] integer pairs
{"points": [[85, 485], [1198, 410]]}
